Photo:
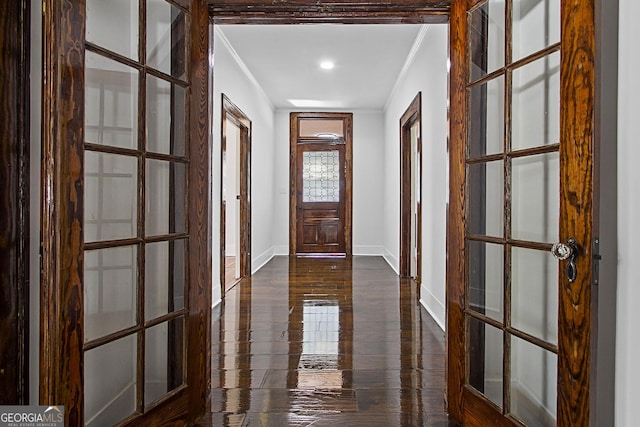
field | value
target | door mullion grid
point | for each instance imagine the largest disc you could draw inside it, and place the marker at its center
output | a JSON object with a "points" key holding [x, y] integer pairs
{"points": [[506, 369], [506, 389], [142, 163]]}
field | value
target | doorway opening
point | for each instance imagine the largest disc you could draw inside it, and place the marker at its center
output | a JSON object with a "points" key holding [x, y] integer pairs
{"points": [[235, 195]]}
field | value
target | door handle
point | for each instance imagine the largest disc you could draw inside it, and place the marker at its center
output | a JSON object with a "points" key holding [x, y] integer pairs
{"points": [[568, 251]]}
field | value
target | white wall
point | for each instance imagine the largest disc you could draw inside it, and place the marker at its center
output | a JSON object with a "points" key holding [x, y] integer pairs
{"points": [[281, 183], [368, 182], [426, 73], [232, 78], [628, 318]]}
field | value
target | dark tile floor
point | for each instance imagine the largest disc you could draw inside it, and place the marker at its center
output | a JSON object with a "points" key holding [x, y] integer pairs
{"points": [[326, 342]]}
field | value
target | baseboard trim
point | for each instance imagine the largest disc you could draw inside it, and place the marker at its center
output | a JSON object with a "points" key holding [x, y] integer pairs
{"points": [[262, 259], [367, 250], [391, 260], [434, 307], [281, 250]]}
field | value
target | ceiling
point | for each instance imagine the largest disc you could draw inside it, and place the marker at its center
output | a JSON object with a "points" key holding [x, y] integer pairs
{"points": [[285, 60]]}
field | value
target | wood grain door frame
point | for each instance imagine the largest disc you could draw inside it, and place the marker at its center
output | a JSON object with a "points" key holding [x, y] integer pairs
{"points": [[411, 116], [231, 112], [15, 37], [329, 12], [578, 163], [62, 219], [293, 178]]}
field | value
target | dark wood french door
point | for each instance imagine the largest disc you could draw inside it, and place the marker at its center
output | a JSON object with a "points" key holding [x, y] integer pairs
{"points": [[521, 230], [126, 280], [321, 183]]}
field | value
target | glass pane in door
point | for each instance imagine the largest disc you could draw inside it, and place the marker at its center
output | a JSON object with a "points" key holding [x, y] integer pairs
{"points": [[166, 46], [486, 124], [121, 33], [110, 378], [534, 293], [487, 38], [535, 116], [536, 25], [321, 176], [486, 198], [533, 383], [164, 278], [110, 284], [163, 359], [165, 117], [111, 102], [535, 195], [110, 197], [165, 197], [486, 279], [485, 359], [320, 128]]}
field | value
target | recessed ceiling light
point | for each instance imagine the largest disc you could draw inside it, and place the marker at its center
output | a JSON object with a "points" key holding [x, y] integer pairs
{"points": [[327, 65]]}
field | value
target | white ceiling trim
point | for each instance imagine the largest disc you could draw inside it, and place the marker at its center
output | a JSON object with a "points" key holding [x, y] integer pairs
{"points": [[243, 67], [420, 37]]}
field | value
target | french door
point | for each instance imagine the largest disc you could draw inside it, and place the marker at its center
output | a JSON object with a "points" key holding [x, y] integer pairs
{"points": [[521, 212], [125, 278]]}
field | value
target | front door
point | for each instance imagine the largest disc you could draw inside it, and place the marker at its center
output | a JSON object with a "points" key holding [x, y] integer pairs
{"points": [[321, 190], [521, 212]]}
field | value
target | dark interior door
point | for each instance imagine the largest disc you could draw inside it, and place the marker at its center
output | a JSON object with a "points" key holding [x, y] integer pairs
{"points": [[320, 208], [320, 198]]}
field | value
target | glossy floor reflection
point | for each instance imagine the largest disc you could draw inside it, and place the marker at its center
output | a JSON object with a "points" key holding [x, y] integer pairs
{"points": [[326, 342]]}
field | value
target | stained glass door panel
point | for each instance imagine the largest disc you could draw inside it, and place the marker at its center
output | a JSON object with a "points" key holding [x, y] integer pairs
{"points": [[321, 176], [321, 198]]}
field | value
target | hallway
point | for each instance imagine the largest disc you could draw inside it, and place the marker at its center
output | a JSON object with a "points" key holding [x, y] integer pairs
{"points": [[326, 342]]}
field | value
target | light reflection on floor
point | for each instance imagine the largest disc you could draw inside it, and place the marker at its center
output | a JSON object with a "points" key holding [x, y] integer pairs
{"points": [[326, 342]]}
